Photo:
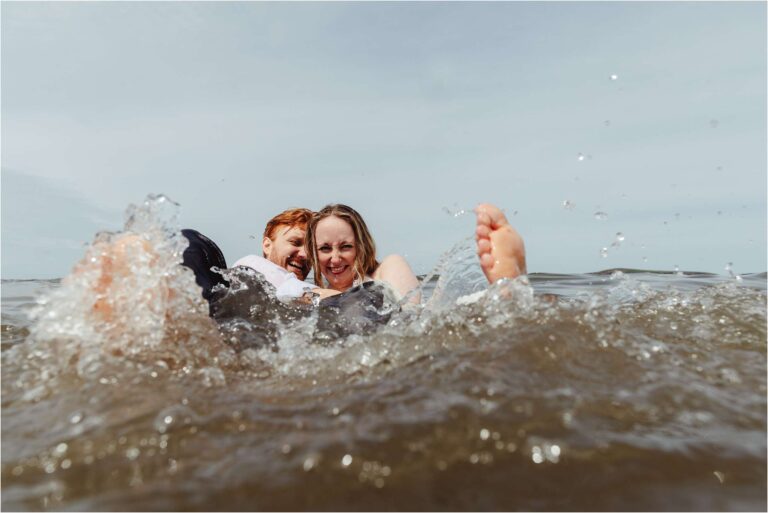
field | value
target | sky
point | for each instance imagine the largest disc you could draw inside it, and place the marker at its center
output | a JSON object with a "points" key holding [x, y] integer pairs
{"points": [[581, 120]]}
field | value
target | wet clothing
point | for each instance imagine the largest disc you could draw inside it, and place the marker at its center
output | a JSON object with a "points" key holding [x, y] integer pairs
{"points": [[286, 283], [201, 255]]}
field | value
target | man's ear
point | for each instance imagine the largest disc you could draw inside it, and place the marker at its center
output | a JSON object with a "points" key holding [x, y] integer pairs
{"points": [[266, 246]]}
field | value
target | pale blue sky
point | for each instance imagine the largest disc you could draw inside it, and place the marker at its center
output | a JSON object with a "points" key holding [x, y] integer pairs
{"points": [[402, 110]]}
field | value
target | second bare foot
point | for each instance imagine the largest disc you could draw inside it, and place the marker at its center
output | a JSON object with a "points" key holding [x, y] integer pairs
{"points": [[499, 246]]}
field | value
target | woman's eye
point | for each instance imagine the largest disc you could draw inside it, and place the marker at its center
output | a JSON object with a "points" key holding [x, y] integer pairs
{"points": [[347, 246], [324, 249]]}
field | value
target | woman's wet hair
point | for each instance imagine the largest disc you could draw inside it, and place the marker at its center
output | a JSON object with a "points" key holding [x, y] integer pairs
{"points": [[365, 260]]}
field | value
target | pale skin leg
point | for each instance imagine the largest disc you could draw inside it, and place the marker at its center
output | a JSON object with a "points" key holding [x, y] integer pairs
{"points": [[499, 246], [395, 270]]}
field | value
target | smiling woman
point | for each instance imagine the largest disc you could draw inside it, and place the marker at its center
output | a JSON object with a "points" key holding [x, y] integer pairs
{"points": [[341, 250]]}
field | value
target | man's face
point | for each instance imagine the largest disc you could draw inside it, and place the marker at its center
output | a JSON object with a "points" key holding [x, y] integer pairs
{"points": [[287, 249]]}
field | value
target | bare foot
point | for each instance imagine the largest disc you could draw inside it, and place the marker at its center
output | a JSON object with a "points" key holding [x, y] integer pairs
{"points": [[499, 246]]}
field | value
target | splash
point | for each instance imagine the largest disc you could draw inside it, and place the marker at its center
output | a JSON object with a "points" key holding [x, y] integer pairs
{"points": [[126, 300]]}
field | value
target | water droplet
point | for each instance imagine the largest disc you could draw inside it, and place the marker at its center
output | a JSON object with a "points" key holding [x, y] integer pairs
{"points": [[604, 252], [455, 213], [346, 460], [76, 417], [614, 77], [720, 476], [714, 123], [619, 237], [580, 157], [568, 205], [645, 259], [60, 449], [729, 268], [601, 216], [65, 464], [132, 453], [484, 434], [607, 122], [719, 212], [286, 449], [310, 462]]}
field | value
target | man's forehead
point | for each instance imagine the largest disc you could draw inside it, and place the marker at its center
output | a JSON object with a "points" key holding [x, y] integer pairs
{"points": [[286, 230]]}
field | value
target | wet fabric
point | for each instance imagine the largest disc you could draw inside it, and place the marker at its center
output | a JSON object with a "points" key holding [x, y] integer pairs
{"points": [[250, 309], [201, 256]]}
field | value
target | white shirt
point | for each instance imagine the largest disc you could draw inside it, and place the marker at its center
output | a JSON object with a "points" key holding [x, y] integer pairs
{"points": [[286, 283]]}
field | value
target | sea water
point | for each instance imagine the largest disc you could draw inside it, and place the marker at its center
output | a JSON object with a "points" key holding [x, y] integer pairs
{"points": [[614, 390]]}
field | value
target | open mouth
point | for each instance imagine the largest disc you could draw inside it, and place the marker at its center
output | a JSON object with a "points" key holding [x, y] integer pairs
{"points": [[337, 270], [302, 268]]}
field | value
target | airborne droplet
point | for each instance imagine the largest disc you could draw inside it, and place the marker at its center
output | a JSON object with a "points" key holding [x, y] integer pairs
{"points": [[601, 216]]}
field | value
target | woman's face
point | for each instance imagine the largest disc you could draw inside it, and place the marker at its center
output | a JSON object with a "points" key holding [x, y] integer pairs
{"points": [[336, 252]]}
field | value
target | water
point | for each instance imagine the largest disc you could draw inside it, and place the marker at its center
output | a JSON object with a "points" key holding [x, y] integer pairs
{"points": [[617, 390]]}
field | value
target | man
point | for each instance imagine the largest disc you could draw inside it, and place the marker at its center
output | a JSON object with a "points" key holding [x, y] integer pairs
{"points": [[284, 262]]}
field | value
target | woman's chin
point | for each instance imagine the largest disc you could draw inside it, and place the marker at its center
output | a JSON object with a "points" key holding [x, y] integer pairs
{"points": [[340, 283]]}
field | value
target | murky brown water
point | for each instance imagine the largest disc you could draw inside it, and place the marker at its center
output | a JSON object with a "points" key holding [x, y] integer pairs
{"points": [[631, 391]]}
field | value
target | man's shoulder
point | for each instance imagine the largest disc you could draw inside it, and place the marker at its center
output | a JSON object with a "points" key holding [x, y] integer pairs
{"points": [[260, 264]]}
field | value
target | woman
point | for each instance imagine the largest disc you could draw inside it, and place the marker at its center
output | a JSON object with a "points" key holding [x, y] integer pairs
{"points": [[341, 250]]}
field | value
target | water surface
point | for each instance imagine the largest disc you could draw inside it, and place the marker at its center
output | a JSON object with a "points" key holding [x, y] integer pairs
{"points": [[617, 390]]}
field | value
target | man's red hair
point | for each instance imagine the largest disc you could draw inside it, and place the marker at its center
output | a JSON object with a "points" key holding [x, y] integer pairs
{"points": [[292, 217]]}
